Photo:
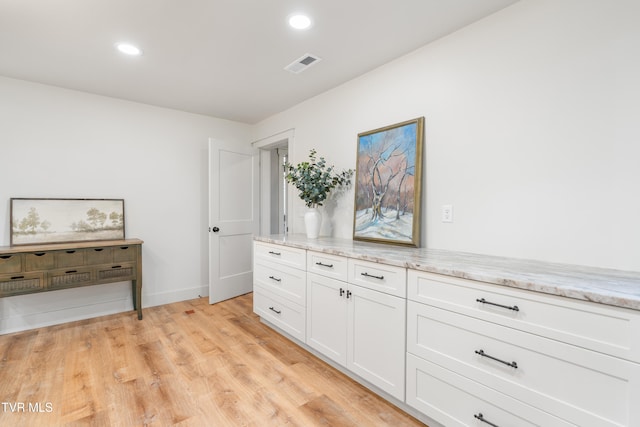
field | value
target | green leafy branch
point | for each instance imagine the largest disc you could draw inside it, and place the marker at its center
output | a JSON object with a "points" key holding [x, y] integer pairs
{"points": [[315, 180]]}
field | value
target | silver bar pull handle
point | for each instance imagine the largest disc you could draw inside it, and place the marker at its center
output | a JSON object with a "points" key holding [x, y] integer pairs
{"points": [[481, 352], [365, 274], [508, 307], [324, 265], [481, 418]]}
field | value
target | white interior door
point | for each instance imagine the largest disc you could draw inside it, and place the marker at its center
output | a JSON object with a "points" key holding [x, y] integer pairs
{"points": [[233, 218]]}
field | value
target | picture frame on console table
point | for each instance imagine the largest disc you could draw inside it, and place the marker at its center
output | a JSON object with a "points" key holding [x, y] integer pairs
{"points": [[388, 184], [45, 220]]}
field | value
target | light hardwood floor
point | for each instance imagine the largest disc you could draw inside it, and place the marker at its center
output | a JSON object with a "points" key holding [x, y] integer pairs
{"points": [[184, 364]]}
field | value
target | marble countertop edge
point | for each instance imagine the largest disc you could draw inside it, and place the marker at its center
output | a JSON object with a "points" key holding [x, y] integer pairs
{"points": [[597, 295], [605, 286]]}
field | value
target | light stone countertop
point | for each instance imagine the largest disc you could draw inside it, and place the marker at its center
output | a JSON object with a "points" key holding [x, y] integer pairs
{"points": [[604, 286]]}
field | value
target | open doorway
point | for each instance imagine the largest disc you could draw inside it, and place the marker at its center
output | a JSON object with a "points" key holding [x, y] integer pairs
{"points": [[274, 199], [279, 157]]}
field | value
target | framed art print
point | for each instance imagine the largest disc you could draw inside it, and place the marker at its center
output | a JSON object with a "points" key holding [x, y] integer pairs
{"points": [[388, 184], [38, 221]]}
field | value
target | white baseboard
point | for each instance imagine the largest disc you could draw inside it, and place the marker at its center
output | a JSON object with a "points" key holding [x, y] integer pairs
{"points": [[162, 298], [24, 312]]}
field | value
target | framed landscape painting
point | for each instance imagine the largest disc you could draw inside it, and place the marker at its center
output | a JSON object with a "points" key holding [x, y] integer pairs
{"points": [[38, 221], [388, 184]]}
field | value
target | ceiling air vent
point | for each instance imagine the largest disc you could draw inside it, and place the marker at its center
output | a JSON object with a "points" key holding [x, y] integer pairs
{"points": [[302, 63]]}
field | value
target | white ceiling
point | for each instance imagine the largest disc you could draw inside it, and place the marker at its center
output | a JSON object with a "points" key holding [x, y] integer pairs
{"points": [[222, 58]]}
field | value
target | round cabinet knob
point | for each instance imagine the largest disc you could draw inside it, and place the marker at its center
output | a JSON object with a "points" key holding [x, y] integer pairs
{"points": [[215, 229]]}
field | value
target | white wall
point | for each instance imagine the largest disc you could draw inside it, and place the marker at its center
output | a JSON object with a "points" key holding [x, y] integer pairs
{"points": [[61, 143], [531, 132]]}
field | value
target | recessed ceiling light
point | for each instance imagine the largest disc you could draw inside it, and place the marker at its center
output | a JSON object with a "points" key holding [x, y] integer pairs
{"points": [[129, 49], [299, 21]]}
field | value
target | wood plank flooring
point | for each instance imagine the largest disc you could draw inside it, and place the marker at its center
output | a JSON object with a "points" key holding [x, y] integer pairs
{"points": [[184, 364]]}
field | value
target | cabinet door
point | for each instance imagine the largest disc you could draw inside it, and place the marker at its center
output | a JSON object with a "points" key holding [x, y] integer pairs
{"points": [[327, 317], [376, 331]]}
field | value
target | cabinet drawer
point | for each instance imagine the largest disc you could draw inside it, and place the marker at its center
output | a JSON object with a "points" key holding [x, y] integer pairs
{"points": [[124, 253], [21, 283], [116, 273], [70, 258], [279, 279], [10, 263], [286, 315], [285, 255], [456, 401], [379, 277], [610, 330], [69, 277], [327, 265], [97, 256], [578, 385], [39, 261]]}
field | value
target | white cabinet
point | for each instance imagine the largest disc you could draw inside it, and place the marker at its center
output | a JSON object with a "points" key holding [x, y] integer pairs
{"points": [[470, 353], [456, 401], [542, 351], [279, 287], [327, 317], [606, 329], [351, 311], [357, 327], [376, 338]]}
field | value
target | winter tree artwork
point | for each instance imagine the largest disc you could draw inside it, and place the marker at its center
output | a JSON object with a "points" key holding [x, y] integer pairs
{"points": [[388, 184], [38, 221]]}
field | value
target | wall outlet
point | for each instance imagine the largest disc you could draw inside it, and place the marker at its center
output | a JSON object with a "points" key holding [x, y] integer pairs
{"points": [[447, 213]]}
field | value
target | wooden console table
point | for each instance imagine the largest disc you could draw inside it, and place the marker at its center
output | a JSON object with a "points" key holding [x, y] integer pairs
{"points": [[40, 268]]}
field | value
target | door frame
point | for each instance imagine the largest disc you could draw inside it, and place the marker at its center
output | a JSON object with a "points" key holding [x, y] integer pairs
{"points": [[265, 145]]}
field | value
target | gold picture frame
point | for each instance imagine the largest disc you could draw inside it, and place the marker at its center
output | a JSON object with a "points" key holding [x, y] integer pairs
{"points": [[388, 184]]}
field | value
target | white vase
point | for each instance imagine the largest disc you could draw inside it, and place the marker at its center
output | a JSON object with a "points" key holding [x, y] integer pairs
{"points": [[312, 222]]}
